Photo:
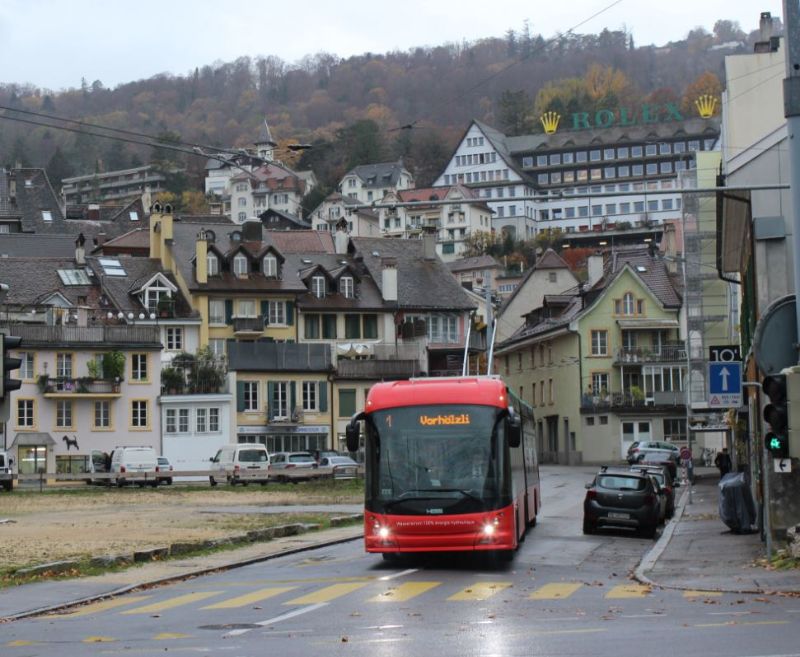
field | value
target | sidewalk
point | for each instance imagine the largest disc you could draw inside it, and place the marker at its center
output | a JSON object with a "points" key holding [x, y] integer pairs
{"points": [[697, 551]]}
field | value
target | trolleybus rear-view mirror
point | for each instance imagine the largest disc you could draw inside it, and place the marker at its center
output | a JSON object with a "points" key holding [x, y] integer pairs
{"points": [[353, 433]]}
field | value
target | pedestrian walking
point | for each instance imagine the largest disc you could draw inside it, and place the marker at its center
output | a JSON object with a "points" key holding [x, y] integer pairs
{"points": [[723, 462]]}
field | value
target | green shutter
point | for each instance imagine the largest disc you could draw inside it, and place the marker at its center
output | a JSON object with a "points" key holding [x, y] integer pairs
{"points": [[270, 397], [240, 396], [265, 312], [329, 326], [290, 313], [323, 396], [292, 397], [228, 311]]}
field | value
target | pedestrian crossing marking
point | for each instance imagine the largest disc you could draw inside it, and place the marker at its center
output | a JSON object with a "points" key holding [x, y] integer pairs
{"points": [[250, 598], [99, 639], [172, 603], [165, 636], [480, 591], [405, 592], [555, 591], [701, 594], [628, 591], [105, 605], [327, 594]]}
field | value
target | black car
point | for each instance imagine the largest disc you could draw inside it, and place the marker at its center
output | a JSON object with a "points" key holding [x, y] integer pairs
{"points": [[665, 480], [663, 457], [619, 497]]}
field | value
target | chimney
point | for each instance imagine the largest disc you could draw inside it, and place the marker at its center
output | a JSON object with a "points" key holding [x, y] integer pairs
{"points": [[82, 316], [252, 230], [201, 258], [93, 213], [594, 265], [100, 239], [429, 245], [341, 240], [80, 252], [765, 26], [389, 279]]}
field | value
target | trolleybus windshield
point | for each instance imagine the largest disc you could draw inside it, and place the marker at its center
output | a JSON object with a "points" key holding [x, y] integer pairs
{"points": [[436, 459]]}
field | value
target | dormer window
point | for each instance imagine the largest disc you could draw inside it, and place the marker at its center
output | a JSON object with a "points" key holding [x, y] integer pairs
{"points": [[270, 266], [212, 264], [240, 264], [318, 286], [346, 287]]}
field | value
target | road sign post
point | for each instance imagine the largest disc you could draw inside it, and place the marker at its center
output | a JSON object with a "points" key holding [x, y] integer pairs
{"points": [[724, 384]]}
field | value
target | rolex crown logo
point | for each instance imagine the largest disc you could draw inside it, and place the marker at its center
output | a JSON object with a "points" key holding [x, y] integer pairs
{"points": [[550, 121], [706, 104]]}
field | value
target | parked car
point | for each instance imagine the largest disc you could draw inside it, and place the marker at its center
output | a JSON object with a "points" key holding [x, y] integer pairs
{"points": [[164, 471], [343, 467], [6, 463], [665, 481], [241, 464], [664, 457], [289, 466], [638, 446], [134, 465], [618, 497]]}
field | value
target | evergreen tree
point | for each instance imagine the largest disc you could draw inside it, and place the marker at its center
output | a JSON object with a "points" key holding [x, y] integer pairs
{"points": [[58, 168]]}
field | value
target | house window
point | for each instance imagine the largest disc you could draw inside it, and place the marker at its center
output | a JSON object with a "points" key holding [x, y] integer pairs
{"points": [[552, 276], [246, 308], [270, 266], [599, 343], [25, 413], [600, 383], [47, 215], [240, 264], [310, 395], [139, 417], [370, 326], [329, 327], [347, 402], [279, 408], [174, 338], [64, 414], [102, 415], [213, 419], [675, 429], [201, 420], [170, 421], [352, 326], [138, 367], [26, 367], [346, 287], [242, 216], [277, 312], [183, 420], [311, 323], [627, 304], [318, 286], [250, 393], [217, 346], [216, 311], [64, 366], [442, 328], [550, 392], [212, 264]]}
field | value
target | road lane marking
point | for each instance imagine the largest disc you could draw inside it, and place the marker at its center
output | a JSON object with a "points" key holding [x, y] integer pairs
{"points": [[405, 592], [555, 591], [99, 639], [480, 591], [172, 602], [104, 605], [250, 598], [741, 623], [701, 594], [628, 591], [402, 573], [277, 619], [327, 594], [166, 636]]}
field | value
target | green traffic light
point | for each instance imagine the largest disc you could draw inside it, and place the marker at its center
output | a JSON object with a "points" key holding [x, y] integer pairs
{"points": [[775, 443]]}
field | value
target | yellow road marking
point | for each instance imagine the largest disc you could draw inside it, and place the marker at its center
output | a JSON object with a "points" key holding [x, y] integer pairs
{"points": [[170, 635], [404, 592], [104, 605], [735, 623], [628, 591], [555, 591], [172, 602], [480, 591], [701, 594], [327, 594], [99, 639], [250, 598], [20, 643]]}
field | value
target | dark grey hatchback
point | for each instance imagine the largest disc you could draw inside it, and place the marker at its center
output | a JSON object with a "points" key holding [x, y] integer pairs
{"points": [[621, 498]]}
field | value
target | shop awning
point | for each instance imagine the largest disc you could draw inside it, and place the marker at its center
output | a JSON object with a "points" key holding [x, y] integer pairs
{"points": [[33, 438]]}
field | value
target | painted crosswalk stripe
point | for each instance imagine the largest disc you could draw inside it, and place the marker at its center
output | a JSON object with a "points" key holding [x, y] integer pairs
{"points": [[250, 598], [480, 591], [701, 594], [404, 592], [628, 591], [555, 591], [105, 605], [172, 602], [327, 594]]}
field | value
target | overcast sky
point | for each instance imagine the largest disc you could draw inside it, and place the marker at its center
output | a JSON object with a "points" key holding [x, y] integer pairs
{"points": [[54, 43]]}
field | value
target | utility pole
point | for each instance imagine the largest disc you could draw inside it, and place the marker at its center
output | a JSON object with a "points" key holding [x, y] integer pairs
{"points": [[791, 106]]}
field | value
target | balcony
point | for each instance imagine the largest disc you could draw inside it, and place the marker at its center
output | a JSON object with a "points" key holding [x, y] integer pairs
{"points": [[248, 326], [668, 353], [127, 337], [373, 369], [68, 388], [627, 403]]}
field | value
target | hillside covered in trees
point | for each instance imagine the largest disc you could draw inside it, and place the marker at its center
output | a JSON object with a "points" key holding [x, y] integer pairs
{"points": [[363, 109]]}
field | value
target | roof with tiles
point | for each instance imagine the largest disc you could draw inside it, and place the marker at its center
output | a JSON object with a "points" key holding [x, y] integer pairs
{"points": [[474, 262], [382, 174]]}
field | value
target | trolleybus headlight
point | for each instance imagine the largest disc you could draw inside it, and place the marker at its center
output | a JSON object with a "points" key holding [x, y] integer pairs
{"points": [[490, 527], [383, 532]]}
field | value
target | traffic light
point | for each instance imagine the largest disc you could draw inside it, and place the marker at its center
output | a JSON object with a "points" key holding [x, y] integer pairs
{"points": [[776, 414], [9, 363]]}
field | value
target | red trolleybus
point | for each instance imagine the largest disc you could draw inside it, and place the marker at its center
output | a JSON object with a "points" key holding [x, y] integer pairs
{"points": [[450, 466]]}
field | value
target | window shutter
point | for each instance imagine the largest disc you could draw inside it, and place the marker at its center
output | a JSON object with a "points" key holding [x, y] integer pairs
{"points": [[323, 396], [290, 313], [292, 397], [265, 312], [240, 396], [228, 311], [270, 398]]}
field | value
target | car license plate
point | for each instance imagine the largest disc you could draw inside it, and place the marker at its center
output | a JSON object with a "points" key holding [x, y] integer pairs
{"points": [[619, 516]]}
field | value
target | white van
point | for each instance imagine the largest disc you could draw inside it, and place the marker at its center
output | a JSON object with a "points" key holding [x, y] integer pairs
{"points": [[137, 464], [241, 464]]}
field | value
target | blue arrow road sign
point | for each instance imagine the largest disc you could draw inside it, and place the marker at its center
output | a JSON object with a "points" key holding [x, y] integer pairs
{"points": [[725, 384]]}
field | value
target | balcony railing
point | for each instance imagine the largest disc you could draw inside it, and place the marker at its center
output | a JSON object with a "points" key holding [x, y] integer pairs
{"points": [[59, 386], [248, 325], [42, 335], [669, 353], [626, 401], [348, 368]]}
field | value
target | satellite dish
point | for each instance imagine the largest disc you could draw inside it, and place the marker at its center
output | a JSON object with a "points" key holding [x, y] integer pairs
{"points": [[774, 345]]}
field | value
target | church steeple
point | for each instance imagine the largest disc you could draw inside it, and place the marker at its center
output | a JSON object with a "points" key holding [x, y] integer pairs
{"points": [[265, 145]]}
